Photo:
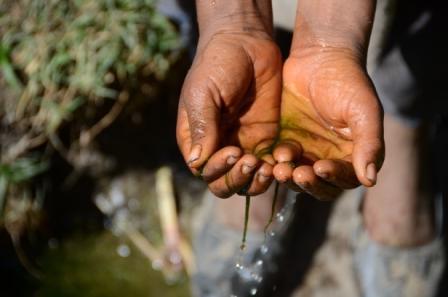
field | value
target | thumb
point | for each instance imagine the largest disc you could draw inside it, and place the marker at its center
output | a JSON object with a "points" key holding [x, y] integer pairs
{"points": [[203, 118], [366, 123]]}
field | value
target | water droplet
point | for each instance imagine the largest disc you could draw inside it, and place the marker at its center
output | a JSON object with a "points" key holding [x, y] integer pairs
{"points": [[253, 291], [264, 249], [123, 250], [259, 263], [272, 233], [280, 217], [244, 274], [239, 266], [256, 277]]}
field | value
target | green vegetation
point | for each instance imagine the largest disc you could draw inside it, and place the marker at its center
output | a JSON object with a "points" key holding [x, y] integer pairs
{"points": [[63, 61], [20, 171], [108, 274], [68, 69]]}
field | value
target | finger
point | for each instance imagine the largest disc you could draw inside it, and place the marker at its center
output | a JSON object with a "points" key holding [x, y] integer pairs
{"points": [[294, 187], [264, 148], [287, 152], [183, 132], [261, 181], [268, 159], [283, 174], [305, 178], [283, 171], [366, 123], [202, 111], [339, 173], [238, 177], [220, 163]]}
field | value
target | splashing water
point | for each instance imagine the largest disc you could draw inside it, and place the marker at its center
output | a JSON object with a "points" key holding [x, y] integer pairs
{"points": [[252, 274], [264, 249]]}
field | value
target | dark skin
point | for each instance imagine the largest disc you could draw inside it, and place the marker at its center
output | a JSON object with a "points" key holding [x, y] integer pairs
{"points": [[229, 109], [327, 145], [230, 103], [331, 115]]}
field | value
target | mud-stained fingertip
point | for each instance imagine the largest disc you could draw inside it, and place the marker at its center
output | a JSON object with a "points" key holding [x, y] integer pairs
{"points": [[231, 160], [283, 172], [194, 155], [287, 152], [371, 173]]}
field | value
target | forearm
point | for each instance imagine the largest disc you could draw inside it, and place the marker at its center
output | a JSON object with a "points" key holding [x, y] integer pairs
{"points": [[344, 24], [251, 16]]}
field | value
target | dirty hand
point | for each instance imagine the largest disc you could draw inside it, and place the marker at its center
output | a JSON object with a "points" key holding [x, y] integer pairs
{"points": [[230, 107], [332, 123]]}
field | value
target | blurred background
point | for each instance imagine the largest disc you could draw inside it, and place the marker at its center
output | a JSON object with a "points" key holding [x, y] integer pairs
{"points": [[88, 158]]}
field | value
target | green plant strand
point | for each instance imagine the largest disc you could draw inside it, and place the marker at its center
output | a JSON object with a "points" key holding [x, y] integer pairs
{"points": [[246, 223]]}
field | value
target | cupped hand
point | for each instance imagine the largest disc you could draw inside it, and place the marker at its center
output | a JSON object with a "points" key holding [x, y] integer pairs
{"points": [[229, 111], [331, 123]]}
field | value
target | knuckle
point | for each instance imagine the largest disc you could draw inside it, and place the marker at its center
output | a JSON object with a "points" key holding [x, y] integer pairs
{"points": [[220, 192]]}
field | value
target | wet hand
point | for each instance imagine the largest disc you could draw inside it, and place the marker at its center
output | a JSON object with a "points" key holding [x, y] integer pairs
{"points": [[229, 111], [331, 124]]}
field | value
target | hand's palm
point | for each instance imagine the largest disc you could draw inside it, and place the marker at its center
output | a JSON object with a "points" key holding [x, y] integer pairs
{"points": [[317, 102], [244, 80], [230, 105], [301, 122], [326, 102]]}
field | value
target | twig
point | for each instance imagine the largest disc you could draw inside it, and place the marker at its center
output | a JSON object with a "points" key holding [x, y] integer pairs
{"points": [[167, 208], [106, 121], [23, 258], [25, 144], [169, 222], [143, 244], [59, 147]]}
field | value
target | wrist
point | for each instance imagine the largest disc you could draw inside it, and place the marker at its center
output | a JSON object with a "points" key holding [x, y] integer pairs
{"points": [[242, 16], [334, 25]]}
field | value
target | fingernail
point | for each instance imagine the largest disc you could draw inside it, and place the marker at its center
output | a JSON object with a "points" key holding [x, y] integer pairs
{"points": [[262, 178], [195, 153], [282, 180], [231, 160], [246, 169], [323, 175], [371, 172], [304, 185]]}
